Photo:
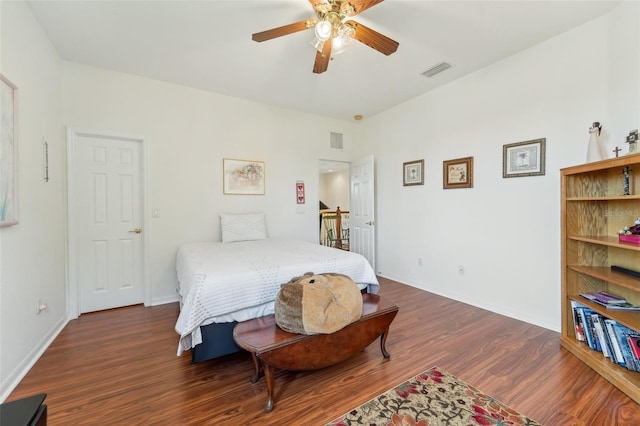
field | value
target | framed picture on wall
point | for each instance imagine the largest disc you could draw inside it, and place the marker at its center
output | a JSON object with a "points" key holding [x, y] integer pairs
{"points": [[523, 158], [413, 173], [243, 177], [8, 152], [457, 173]]}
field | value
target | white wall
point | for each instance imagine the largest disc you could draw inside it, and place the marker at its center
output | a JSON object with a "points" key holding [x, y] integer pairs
{"points": [[32, 260], [189, 133], [505, 232], [334, 189]]}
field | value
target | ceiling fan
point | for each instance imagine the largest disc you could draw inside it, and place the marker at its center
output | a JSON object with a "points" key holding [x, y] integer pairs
{"points": [[333, 30]]}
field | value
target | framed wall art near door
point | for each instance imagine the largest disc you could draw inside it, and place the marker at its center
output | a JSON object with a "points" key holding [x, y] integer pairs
{"points": [[243, 177], [457, 173], [413, 173], [8, 152], [523, 158]]}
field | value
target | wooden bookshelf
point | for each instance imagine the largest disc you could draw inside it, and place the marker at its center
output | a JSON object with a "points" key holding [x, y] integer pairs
{"points": [[593, 209]]}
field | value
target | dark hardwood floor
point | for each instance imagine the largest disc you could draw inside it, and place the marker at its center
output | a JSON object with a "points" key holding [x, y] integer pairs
{"points": [[120, 367]]}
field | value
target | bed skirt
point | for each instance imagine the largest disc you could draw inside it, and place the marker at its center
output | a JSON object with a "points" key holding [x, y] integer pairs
{"points": [[217, 341]]}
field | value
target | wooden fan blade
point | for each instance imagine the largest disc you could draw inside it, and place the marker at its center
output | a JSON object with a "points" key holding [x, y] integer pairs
{"points": [[322, 58], [374, 39], [362, 5], [284, 30]]}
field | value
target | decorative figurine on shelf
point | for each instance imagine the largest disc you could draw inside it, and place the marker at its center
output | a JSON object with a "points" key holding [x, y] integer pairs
{"points": [[631, 230], [596, 151], [632, 140], [617, 151], [625, 186]]}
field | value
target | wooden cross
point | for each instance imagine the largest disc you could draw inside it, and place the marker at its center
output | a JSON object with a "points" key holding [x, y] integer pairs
{"points": [[617, 150]]}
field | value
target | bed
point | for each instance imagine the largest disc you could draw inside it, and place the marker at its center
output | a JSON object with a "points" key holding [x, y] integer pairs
{"points": [[222, 283]]}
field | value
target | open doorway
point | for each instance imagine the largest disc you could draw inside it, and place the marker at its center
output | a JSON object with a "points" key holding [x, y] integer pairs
{"points": [[334, 198]]}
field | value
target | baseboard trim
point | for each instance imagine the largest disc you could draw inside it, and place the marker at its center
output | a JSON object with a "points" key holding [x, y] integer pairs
{"points": [[13, 379], [501, 310], [164, 300]]}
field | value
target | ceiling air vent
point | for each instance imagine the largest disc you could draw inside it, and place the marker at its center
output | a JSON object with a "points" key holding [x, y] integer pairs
{"points": [[336, 140], [437, 69]]}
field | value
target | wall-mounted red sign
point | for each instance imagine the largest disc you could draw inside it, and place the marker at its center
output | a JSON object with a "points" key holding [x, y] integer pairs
{"points": [[300, 192]]}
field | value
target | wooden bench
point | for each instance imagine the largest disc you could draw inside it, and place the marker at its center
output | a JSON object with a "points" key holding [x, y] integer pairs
{"points": [[276, 348]]}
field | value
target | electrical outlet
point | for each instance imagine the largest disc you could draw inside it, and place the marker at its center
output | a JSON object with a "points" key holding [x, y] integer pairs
{"points": [[461, 269], [419, 261]]}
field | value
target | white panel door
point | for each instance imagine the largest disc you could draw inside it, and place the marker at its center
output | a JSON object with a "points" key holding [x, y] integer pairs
{"points": [[109, 206], [361, 210]]}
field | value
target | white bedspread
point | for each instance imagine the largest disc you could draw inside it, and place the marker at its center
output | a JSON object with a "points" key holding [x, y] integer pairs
{"points": [[222, 282]]}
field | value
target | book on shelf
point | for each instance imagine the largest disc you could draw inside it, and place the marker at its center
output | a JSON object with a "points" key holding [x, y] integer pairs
{"points": [[616, 304], [613, 357], [604, 298], [588, 329], [617, 342], [632, 337], [598, 323], [634, 344], [617, 351], [577, 323], [623, 307], [622, 333]]}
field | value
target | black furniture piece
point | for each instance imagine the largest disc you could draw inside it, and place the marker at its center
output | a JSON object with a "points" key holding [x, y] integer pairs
{"points": [[29, 411]]}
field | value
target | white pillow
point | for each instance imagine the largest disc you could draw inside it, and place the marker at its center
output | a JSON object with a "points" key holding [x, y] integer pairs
{"points": [[243, 227]]}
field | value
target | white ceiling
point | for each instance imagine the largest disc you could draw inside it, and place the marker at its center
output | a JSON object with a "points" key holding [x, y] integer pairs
{"points": [[207, 45]]}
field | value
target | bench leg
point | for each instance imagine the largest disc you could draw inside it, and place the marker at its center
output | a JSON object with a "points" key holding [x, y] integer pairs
{"points": [[268, 373], [256, 364], [383, 342]]}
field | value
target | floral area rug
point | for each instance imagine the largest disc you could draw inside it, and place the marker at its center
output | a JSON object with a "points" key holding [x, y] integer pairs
{"points": [[433, 398]]}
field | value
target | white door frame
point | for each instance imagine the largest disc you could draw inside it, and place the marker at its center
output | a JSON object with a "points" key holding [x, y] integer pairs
{"points": [[73, 288]]}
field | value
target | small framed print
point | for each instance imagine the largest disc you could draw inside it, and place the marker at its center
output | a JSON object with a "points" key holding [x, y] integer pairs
{"points": [[243, 177], [523, 158], [413, 173], [457, 173]]}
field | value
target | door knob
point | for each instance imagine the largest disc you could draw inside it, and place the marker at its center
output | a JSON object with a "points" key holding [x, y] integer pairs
{"points": [[370, 223], [136, 231]]}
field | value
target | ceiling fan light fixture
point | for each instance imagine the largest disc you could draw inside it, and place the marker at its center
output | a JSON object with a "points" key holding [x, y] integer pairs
{"points": [[332, 23], [337, 46], [340, 42], [317, 44], [323, 30], [346, 33]]}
